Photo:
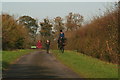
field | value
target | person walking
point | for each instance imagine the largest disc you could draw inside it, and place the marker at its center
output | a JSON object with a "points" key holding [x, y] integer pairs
{"points": [[47, 45], [39, 45]]}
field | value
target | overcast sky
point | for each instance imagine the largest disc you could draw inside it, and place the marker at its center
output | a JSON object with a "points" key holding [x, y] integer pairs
{"points": [[41, 10]]}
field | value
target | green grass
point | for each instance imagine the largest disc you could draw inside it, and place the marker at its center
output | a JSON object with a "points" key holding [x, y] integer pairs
{"points": [[87, 66], [8, 57]]}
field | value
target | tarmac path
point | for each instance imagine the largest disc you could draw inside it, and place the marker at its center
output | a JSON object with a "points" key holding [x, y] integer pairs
{"points": [[39, 64]]}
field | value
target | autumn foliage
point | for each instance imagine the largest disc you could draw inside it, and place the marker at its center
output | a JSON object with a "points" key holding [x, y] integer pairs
{"points": [[98, 39], [14, 35]]}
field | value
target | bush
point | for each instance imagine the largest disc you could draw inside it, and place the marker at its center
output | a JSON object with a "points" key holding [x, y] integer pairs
{"points": [[98, 38], [14, 35]]}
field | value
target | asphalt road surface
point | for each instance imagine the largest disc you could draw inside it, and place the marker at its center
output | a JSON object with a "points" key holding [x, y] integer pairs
{"points": [[39, 64]]}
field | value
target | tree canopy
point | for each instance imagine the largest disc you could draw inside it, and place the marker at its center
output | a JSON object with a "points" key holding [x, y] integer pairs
{"points": [[29, 22]]}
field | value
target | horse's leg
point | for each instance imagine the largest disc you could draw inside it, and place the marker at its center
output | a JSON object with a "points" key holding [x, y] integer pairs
{"points": [[63, 49], [60, 49]]}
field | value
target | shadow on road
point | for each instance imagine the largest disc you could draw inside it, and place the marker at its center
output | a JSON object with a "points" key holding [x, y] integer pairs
{"points": [[5, 65], [28, 71]]}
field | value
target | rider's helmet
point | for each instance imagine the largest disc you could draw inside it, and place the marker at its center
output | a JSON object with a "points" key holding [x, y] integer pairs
{"points": [[60, 30]]}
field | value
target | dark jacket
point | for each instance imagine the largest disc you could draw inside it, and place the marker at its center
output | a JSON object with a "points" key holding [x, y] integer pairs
{"points": [[47, 44]]}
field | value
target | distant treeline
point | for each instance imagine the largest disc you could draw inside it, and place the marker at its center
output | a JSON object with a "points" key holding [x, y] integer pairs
{"points": [[23, 32]]}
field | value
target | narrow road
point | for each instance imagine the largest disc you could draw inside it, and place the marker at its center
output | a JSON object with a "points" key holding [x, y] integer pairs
{"points": [[39, 64]]}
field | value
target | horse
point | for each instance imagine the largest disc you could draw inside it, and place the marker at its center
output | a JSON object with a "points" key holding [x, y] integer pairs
{"points": [[61, 44]]}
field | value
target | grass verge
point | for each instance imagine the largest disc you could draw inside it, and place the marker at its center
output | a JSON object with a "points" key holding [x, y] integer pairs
{"points": [[87, 66], [8, 57]]}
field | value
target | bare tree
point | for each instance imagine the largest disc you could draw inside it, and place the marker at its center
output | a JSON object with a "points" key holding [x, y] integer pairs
{"points": [[73, 21]]}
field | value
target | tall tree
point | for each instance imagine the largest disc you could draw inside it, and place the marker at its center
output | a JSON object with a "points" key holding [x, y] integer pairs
{"points": [[58, 25], [46, 29], [73, 21], [30, 23]]}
